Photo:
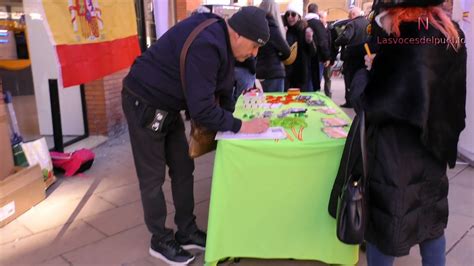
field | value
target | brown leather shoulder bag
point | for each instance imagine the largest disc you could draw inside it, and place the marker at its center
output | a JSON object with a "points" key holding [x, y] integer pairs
{"points": [[201, 140]]}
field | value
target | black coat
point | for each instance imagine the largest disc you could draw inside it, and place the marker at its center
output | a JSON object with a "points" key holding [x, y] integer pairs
{"points": [[354, 33], [415, 107], [269, 65], [321, 40], [297, 73], [352, 40], [334, 50]]}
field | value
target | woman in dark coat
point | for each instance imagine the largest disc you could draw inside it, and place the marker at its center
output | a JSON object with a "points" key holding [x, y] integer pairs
{"points": [[269, 58], [415, 108], [298, 31]]}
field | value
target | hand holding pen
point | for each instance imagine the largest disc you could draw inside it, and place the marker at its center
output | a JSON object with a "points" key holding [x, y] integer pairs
{"points": [[369, 57]]}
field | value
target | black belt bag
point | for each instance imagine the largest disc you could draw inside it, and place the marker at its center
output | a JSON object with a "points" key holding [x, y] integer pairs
{"points": [[149, 116]]}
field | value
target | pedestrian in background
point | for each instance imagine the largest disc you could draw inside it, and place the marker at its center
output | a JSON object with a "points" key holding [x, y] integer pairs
{"points": [[269, 58], [320, 37], [352, 38], [298, 32], [327, 68]]}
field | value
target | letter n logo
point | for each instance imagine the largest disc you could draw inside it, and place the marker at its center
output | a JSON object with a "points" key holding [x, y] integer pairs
{"points": [[423, 21]]}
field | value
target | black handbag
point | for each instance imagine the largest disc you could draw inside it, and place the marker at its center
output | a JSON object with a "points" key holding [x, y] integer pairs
{"points": [[352, 203]]}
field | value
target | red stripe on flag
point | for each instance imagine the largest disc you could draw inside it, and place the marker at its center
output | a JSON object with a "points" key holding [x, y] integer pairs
{"points": [[87, 62]]}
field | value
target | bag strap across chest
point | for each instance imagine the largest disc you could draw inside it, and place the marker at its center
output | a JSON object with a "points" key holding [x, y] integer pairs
{"points": [[187, 44]]}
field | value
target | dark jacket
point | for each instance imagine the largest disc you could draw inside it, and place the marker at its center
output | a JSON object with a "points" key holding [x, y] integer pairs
{"points": [[269, 65], [352, 39], [155, 75], [354, 33], [320, 37], [297, 73], [415, 108], [334, 50]]}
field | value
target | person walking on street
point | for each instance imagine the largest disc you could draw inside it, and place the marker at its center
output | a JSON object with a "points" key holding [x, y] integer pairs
{"points": [[320, 37], [301, 35], [353, 38], [269, 59], [327, 68], [152, 98]]}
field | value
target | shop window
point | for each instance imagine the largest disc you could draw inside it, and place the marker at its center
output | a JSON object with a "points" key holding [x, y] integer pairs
{"points": [[13, 43], [15, 70]]}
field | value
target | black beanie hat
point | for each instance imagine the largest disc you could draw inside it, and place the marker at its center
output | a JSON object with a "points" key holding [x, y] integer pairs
{"points": [[251, 23], [406, 3]]}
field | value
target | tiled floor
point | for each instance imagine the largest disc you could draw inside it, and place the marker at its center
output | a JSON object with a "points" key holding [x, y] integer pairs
{"points": [[96, 218]]}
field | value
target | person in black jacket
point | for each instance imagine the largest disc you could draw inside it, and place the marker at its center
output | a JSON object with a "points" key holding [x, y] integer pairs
{"points": [[152, 99], [353, 38], [269, 59], [320, 37], [414, 103], [298, 32], [327, 70]]}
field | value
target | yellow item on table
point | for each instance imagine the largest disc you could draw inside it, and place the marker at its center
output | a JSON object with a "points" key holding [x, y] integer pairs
{"points": [[294, 91]]}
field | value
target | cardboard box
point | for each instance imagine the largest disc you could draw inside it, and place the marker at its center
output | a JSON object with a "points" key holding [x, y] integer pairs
{"points": [[19, 192], [6, 155]]}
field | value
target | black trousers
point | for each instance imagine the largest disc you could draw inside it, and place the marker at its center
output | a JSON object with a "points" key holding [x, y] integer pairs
{"points": [[348, 71], [327, 74], [152, 151]]}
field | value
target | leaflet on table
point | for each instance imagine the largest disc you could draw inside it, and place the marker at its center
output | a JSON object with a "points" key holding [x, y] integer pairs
{"points": [[271, 133], [334, 122], [326, 110], [335, 132]]}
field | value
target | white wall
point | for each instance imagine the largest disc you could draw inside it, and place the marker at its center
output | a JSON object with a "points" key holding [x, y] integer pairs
{"points": [[161, 12], [466, 141], [45, 65]]}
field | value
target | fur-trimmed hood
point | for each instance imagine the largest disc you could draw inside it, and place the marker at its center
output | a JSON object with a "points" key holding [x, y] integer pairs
{"points": [[429, 92]]}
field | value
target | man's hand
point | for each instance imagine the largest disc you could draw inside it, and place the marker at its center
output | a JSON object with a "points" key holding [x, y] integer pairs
{"points": [[257, 125]]}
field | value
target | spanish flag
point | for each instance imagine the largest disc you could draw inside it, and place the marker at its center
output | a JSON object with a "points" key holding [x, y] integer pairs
{"points": [[93, 38]]}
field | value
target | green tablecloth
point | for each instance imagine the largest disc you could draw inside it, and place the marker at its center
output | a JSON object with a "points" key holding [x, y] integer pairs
{"points": [[269, 199]]}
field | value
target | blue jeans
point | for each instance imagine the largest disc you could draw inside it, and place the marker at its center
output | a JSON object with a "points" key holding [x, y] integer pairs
{"points": [[308, 86], [243, 80], [432, 254], [273, 85]]}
